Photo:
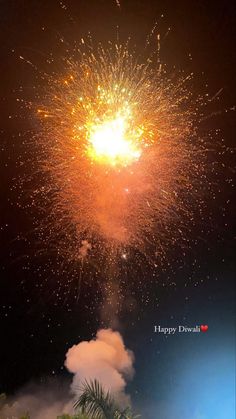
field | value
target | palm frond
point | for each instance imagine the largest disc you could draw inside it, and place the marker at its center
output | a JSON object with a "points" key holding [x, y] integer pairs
{"points": [[126, 414], [98, 404], [95, 402]]}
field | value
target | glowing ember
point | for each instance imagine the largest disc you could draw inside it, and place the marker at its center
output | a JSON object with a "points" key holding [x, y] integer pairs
{"points": [[110, 143]]}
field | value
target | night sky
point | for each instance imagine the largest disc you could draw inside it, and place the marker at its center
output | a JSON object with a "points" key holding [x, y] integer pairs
{"points": [[186, 376]]}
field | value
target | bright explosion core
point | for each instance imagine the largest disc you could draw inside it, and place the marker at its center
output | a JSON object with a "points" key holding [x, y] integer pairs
{"points": [[111, 143]]}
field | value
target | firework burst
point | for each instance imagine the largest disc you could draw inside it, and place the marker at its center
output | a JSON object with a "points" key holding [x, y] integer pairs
{"points": [[120, 153]]}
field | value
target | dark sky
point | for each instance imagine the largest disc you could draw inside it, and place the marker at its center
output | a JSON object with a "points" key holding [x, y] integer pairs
{"points": [[175, 376]]}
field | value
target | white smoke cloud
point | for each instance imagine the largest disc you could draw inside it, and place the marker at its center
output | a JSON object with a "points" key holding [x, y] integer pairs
{"points": [[105, 359], [40, 401]]}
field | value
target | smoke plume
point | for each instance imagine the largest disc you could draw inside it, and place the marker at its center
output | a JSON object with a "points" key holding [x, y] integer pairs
{"points": [[83, 250], [105, 359], [44, 401]]}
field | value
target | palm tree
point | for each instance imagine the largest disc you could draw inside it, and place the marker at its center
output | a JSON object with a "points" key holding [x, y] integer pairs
{"points": [[98, 404]]}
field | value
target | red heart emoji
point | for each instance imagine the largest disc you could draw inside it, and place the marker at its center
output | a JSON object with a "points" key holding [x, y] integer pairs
{"points": [[204, 328]]}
